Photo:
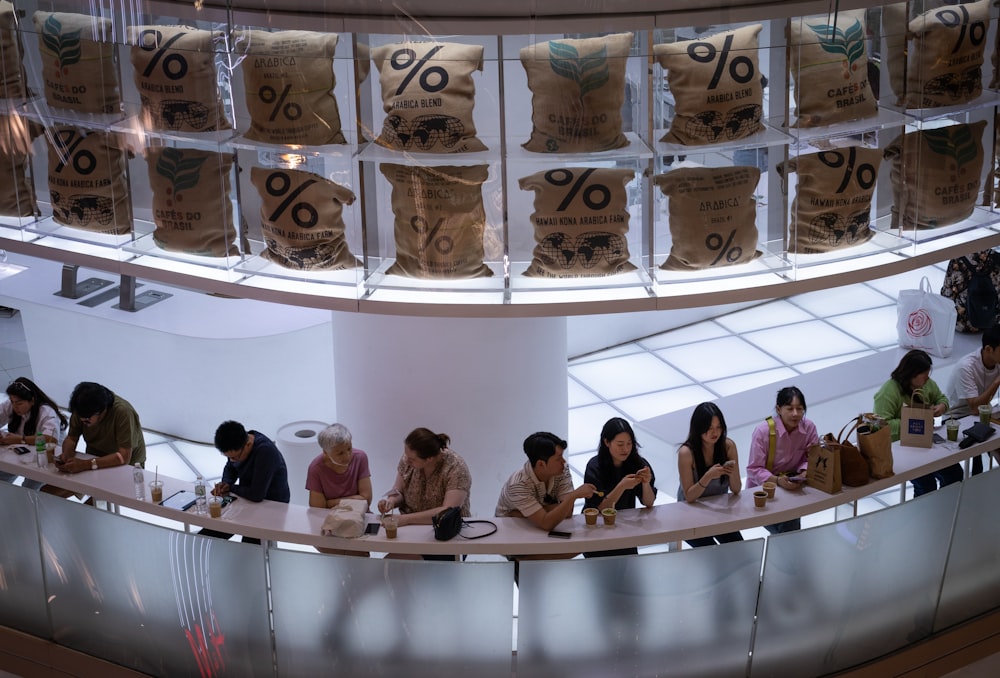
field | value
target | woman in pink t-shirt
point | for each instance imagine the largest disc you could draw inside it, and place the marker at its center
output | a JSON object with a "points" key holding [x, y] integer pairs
{"points": [[340, 472]]}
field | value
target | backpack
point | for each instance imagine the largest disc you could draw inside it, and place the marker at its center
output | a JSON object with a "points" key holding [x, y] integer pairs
{"points": [[972, 282]]}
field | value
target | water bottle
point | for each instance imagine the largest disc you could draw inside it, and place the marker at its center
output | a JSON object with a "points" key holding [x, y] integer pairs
{"points": [[140, 483], [200, 503], [43, 458]]}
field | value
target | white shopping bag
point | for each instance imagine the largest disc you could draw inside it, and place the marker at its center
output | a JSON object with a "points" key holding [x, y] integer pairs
{"points": [[926, 320]]}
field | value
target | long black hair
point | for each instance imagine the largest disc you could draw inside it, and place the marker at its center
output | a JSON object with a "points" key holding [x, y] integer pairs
{"points": [[25, 389], [701, 421], [612, 428]]}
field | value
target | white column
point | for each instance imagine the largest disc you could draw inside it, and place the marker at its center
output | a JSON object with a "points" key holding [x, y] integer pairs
{"points": [[487, 383]]}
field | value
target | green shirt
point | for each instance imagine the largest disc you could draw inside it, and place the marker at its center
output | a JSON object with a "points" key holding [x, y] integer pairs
{"points": [[117, 429], [890, 399]]}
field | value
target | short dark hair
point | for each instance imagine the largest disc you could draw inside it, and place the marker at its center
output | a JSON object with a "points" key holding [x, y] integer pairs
{"points": [[230, 436], [541, 446], [89, 399], [991, 336], [788, 394]]}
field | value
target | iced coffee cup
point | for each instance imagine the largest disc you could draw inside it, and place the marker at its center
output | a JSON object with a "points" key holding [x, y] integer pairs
{"points": [[391, 524], [156, 491], [590, 515], [215, 506]]}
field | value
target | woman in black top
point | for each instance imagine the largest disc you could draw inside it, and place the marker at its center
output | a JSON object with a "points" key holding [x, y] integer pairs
{"points": [[621, 476]]}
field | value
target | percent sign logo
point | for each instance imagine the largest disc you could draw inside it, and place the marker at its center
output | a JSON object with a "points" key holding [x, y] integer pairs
{"points": [[290, 110], [66, 141], [279, 185], [713, 241], [429, 234], [864, 173], [174, 65], [594, 196], [740, 68], [959, 16], [406, 60]]}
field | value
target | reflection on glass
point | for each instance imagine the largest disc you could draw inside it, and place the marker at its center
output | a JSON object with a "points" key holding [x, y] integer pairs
{"points": [[22, 592], [359, 616], [152, 599], [972, 580], [838, 595], [687, 613]]}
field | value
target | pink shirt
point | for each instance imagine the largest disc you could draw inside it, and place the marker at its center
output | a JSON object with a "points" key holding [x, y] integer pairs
{"points": [[791, 450], [333, 485]]}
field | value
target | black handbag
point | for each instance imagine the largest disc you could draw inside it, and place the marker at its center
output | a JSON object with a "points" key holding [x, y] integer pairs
{"points": [[447, 523]]}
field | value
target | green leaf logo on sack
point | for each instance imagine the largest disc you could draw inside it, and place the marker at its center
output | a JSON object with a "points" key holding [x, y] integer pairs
{"points": [[183, 173], [65, 47], [589, 72], [848, 43], [919, 323], [955, 143]]}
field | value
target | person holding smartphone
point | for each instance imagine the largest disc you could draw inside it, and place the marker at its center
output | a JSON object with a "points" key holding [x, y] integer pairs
{"points": [[779, 449], [708, 464]]}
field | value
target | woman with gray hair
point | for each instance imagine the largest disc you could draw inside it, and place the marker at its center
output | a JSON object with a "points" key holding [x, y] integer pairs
{"points": [[340, 472]]}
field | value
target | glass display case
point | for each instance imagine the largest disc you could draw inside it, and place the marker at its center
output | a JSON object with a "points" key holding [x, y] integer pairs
{"points": [[496, 160]]}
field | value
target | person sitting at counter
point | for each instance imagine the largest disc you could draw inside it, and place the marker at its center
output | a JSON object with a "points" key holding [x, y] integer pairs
{"points": [[255, 469], [542, 491], [108, 424], [708, 464], [622, 477], [430, 477], [28, 413], [975, 381], [914, 372], [779, 449], [340, 472]]}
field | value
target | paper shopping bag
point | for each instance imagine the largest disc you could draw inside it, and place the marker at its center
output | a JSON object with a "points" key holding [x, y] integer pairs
{"points": [[916, 425], [824, 468], [875, 441]]}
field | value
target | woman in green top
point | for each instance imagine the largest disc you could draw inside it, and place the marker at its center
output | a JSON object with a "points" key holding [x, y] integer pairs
{"points": [[913, 373]]}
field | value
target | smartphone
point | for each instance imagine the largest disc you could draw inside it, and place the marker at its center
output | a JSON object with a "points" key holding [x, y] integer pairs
{"points": [[21, 450], [560, 534], [371, 528], [797, 479]]}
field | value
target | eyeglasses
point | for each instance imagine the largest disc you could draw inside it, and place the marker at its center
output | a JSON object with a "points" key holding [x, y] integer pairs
{"points": [[88, 420]]}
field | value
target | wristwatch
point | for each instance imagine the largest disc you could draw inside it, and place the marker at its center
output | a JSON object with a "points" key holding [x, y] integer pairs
{"points": [[93, 464]]}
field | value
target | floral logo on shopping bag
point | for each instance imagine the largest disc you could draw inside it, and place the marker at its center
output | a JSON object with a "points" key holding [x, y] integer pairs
{"points": [[919, 323]]}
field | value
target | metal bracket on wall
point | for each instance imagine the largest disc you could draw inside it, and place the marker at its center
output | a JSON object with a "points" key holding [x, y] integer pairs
{"points": [[72, 289]]}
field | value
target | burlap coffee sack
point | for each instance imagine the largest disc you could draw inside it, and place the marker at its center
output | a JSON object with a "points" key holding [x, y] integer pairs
{"points": [[716, 86], [87, 181], [302, 219], [936, 175], [580, 221], [78, 62], [17, 195], [712, 215], [428, 95], [833, 198], [439, 220], [577, 92], [192, 206], [11, 68], [829, 65], [288, 78], [174, 70], [946, 54]]}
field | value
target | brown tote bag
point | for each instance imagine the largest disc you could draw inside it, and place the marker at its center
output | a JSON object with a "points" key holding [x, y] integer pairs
{"points": [[824, 467], [875, 441], [853, 467]]}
